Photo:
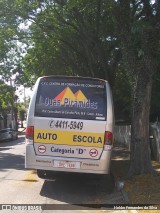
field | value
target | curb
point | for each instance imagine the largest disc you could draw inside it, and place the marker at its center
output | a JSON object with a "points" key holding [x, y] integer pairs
{"points": [[120, 197], [125, 196]]}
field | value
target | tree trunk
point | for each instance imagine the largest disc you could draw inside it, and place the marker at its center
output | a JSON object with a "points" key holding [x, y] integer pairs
{"points": [[140, 162]]}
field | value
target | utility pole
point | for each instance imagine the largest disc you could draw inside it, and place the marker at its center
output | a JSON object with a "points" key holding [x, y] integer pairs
{"points": [[12, 103], [24, 98]]}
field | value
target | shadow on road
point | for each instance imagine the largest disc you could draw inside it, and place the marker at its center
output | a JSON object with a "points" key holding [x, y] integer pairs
{"points": [[10, 160], [6, 145], [77, 189]]}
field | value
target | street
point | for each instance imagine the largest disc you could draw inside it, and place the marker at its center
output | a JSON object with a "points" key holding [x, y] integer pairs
{"points": [[21, 186]]}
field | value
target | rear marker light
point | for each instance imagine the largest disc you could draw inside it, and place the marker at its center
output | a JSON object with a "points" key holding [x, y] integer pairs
{"points": [[108, 138], [29, 132]]}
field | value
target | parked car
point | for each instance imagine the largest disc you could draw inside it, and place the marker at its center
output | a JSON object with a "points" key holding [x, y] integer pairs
{"points": [[8, 134]]}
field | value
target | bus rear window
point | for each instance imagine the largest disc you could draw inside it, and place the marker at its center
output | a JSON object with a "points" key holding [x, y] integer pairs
{"points": [[71, 98]]}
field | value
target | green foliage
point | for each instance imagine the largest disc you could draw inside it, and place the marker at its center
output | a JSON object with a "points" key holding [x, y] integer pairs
{"points": [[96, 38], [6, 95], [138, 30], [122, 96], [72, 38]]}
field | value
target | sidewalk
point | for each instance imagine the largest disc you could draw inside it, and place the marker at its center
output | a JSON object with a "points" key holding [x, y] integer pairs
{"points": [[141, 189]]}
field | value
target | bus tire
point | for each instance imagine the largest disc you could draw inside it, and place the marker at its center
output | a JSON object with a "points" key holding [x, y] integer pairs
{"points": [[42, 174]]}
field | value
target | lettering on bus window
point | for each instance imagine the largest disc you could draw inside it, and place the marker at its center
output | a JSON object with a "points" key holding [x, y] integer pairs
{"points": [[60, 98]]}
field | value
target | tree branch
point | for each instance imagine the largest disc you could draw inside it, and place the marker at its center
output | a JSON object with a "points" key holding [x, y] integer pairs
{"points": [[147, 9], [98, 16]]}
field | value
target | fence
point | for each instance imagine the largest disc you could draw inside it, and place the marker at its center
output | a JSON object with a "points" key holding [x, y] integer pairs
{"points": [[123, 135], [155, 140], [123, 138]]}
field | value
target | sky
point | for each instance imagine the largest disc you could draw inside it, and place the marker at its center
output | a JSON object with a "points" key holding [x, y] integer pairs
{"points": [[23, 93]]}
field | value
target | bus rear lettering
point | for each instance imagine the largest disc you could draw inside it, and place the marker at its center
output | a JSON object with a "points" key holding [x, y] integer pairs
{"points": [[47, 136], [89, 139]]}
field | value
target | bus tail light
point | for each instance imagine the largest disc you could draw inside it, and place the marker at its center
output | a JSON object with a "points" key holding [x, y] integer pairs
{"points": [[108, 138], [29, 134]]}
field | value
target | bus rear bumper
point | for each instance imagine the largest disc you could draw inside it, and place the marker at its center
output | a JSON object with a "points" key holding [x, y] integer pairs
{"points": [[49, 163]]}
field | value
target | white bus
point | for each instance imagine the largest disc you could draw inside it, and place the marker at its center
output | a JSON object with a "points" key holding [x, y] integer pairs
{"points": [[70, 126]]}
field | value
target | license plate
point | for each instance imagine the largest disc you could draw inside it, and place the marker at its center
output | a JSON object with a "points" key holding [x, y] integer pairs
{"points": [[67, 164]]}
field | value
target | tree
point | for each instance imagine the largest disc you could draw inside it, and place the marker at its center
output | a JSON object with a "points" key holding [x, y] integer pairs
{"points": [[6, 95], [122, 97], [71, 37], [155, 98], [8, 33], [138, 30], [64, 37], [94, 38], [7, 99], [22, 110]]}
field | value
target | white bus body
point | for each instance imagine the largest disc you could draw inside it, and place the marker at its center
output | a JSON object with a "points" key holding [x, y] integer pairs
{"points": [[70, 126]]}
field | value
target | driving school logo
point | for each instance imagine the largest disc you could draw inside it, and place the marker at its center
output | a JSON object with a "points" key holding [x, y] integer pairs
{"points": [[67, 98]]}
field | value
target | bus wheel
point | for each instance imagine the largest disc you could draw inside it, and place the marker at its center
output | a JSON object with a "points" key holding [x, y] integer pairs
{"points": [[42, 174]]}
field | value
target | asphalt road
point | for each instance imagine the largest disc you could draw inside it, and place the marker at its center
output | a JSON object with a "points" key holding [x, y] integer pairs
{"points": [[21, 186]]}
